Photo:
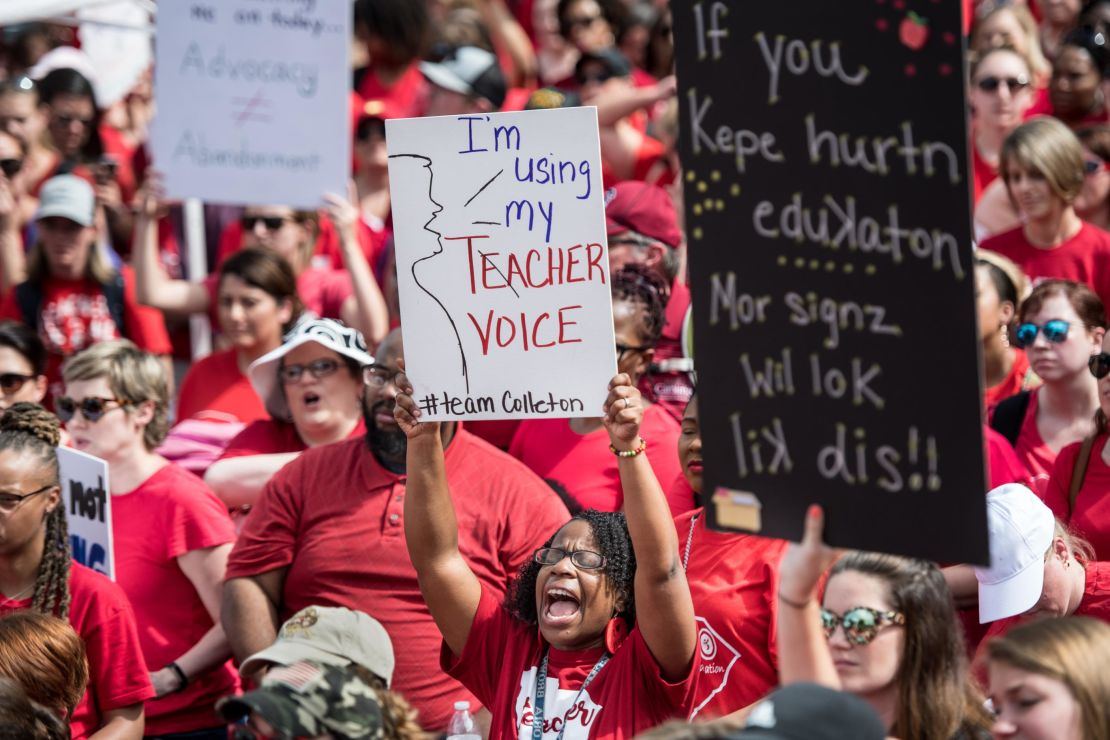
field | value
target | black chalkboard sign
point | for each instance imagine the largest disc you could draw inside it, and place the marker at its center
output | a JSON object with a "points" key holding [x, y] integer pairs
{"points": [[829, 229]]}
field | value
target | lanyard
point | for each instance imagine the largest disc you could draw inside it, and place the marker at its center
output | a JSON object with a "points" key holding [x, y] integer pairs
{"points": [[541, 692]]}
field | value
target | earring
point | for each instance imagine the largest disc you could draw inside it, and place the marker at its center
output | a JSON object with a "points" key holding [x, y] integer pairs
{"points": [[1005, 335]]}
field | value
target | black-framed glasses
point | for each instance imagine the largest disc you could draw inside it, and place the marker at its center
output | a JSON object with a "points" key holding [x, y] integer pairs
{"points": [[378, 376], [9, 502], [623, 349], [12, 382], [321, 368], [861, 623], [1099, 364], [584, 559], [92, 408], [992, 83], [1054, 330], [11, 166], [272, 223]]}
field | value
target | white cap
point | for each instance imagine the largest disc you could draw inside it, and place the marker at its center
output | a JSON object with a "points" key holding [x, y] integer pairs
{"points": [[335, 335], [67, 196], [1021, 530]]}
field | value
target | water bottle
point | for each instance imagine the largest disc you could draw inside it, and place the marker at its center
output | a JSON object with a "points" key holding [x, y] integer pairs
{"points": [[461, 726]]}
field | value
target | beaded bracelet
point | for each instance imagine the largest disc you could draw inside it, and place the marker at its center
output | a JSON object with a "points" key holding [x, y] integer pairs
{"points": [[629, 453]]}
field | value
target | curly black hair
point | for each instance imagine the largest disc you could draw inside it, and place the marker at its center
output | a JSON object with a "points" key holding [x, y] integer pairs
{"points": [[639, 284], [610, 533]]}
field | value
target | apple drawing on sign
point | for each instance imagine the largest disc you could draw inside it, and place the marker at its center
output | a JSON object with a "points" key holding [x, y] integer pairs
{"points": [[914, 31]]}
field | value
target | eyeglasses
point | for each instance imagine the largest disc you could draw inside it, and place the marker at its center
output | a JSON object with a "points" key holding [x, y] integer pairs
{"points": [[861, 623], [378, 376], [1055, 331], [1013, 84], [321, 368], [12, 382], [1099, 364], [584, 559], [66, 119], [622, 349], [582, 20], [1090, 166], [272, 223], [9, 502], [92, 408], [11, 167]]}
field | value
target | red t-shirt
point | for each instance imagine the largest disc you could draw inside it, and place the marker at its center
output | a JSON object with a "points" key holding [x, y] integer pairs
{"points": [[1003, 464], [982, 172], [502, 657], [1037, 457], [734, 583], [405, 97], [271, 437], [101, 615], [170, 514], [1020, 378], [74, 315], [322, 291], [582, 463], [335, 518], [1091, 516], [1085, 258], [215, 383]]}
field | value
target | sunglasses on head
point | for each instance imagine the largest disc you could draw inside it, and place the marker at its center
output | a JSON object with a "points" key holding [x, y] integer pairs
{"points": [[1099, 365], [992, 83], [11, 167], [92, 408], [272, 223], [1055, 331], [861, 623], [12, 382]]}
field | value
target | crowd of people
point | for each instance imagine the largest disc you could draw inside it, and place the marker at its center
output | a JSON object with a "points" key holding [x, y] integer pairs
{"points": [[298, 554]]}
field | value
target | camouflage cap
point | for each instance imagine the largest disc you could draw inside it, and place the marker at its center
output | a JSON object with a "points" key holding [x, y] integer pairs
{"points": [[309, 699]]}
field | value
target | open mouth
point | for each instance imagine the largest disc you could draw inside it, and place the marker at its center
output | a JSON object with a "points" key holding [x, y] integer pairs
{"points": [[560, 607], [311, 400]]}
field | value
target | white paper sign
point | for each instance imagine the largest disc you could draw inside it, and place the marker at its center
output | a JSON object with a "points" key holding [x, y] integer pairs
{"points": [[502, 264], [88, 509], [253, 100]]}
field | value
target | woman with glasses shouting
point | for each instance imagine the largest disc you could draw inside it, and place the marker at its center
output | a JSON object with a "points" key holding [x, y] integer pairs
{"points": [[886, 631], [37, 573], [1060, 326], [171, 535], [312, 388], [597, 637]]}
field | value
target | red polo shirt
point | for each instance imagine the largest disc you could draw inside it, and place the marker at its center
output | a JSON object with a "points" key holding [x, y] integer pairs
{"points": [[335, 518]]}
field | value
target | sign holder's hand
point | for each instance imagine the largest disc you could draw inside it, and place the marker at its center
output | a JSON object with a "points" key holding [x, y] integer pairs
{"points": [[407, 413], [804, 563], [623, 412]]}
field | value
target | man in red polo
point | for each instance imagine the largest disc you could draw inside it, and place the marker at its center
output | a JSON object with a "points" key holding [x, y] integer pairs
{"points": [[329, 531]]}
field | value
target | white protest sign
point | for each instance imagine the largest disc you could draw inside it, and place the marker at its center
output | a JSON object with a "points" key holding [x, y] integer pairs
{"points": [[84, 480], [502, 265], [253, 100]]}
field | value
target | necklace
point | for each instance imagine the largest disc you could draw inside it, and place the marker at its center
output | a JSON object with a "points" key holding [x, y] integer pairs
{"points": [[18, 597], [689, 541]]}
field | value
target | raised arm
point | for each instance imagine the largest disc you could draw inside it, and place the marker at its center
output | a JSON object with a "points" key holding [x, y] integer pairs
{"points": [[450, 588], [13, 260], [153, 287], [664, 610], [802, 647], [366, 309]]}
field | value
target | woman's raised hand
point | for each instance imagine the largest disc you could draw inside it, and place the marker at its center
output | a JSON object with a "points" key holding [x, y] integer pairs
{"points": [[804, 563], [150, 200], [407, 413], [624, 413]]}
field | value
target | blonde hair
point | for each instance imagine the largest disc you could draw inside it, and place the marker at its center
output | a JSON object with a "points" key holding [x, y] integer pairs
{"points": [[1078, 548], [1072, 650], [1034, 55], [97, 268], [1047, 147], [133, 375]]}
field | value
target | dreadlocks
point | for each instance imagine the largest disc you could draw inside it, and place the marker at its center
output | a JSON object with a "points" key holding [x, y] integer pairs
{"points": [[30, 427]]}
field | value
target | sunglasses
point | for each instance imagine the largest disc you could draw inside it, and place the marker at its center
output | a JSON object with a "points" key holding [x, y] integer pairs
{"points": [[12, 382], [92, 408], [861, 623], [1099, 364], [11, 167], [623, 349], [1013, 84], [272, 223], [321, 368], [584, 559], [1055, 331]]}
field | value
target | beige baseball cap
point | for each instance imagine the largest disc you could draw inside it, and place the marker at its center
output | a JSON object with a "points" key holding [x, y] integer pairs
{"points": [[330, 635]]}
